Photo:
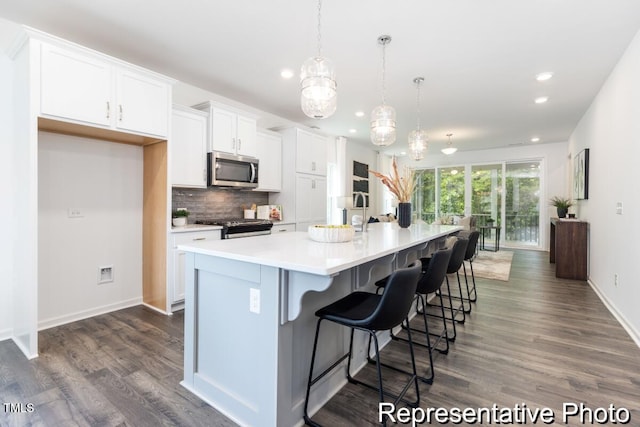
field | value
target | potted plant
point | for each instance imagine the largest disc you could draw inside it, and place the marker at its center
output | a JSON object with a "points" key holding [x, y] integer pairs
{"points": [[179, 217], [562, 205]]}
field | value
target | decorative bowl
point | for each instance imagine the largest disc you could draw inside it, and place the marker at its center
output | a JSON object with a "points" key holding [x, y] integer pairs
{"points": [[331, 233]]}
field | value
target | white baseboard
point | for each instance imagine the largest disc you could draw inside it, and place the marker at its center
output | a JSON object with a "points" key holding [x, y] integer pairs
{"points": [[155, 309], [5, 334], [633, 333], [85, 314]]}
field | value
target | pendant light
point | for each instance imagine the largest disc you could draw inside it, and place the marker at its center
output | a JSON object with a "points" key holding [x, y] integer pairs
{"points": [[318, 95], [418, 138], [383, 117], [450, 149]]}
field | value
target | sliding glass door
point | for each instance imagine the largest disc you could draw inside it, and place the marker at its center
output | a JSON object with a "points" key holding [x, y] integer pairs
{"points": [[522, 207], [504, 194]]}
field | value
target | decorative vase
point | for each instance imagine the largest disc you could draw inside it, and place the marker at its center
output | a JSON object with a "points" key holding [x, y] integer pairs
{"points": [[404, 214], [562, 212]]}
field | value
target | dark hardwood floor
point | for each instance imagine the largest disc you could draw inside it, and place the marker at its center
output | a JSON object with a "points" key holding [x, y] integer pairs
{"points": [[535, 340]]}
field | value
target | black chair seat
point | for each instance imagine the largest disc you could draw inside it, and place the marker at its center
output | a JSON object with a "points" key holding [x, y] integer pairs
{"points": [[370, 313]]}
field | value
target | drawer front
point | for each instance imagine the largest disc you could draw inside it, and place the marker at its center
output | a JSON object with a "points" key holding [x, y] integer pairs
{"points": [[280, 228], [196, 236]]}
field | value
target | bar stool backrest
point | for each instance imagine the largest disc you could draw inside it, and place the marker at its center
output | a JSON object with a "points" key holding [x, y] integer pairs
{"points": [[396, 299], [471, 247], [458, 251], [431, 280]]}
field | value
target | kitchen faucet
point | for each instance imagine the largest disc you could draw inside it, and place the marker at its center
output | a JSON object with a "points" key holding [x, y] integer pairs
{"points": [[364, 209]]}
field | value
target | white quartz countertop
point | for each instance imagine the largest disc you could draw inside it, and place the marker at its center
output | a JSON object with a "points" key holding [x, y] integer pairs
{"points": [[297, 252]]}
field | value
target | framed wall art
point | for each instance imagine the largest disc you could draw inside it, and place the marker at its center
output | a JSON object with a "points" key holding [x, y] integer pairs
{"points": [[581, 175]]}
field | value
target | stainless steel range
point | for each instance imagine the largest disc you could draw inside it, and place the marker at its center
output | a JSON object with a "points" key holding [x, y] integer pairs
{"points": [[233, 228]]}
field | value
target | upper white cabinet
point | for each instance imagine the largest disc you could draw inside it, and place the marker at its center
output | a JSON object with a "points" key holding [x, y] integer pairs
{"points": [[188, 147], [269, 152], [230, 130], [92, 90], [311, 153]]}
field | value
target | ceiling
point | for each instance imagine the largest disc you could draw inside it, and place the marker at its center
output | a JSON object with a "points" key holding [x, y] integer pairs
{"points": [[479, 58]]}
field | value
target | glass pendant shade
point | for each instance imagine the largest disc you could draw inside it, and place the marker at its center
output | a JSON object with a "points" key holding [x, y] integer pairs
{"points": [[418, 143], [383, 125], [318, 95]]}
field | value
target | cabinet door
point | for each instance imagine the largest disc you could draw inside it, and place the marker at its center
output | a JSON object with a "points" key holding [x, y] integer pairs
{"points": [[246, 136], [142, 103], [176, 289], [74, 86], [311, 199], [189, 148], [311, 153], [223, 131], [269, 152]]}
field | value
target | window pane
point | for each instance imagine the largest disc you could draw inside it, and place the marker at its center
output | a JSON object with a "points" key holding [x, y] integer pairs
{"points": [[451, 191], [522, 210], [425, 196], [486, 194]]}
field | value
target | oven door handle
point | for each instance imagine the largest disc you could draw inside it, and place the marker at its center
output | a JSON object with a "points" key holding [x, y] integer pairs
{"points": [[253, 172]]}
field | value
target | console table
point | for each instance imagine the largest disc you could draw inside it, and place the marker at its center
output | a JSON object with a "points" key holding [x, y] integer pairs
{"points": [[568, 248], [485, 228]]}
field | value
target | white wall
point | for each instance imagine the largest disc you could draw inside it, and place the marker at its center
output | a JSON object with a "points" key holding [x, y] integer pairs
{"points": [[611, 130], [6, 195], [104, 181], [554, 175]]}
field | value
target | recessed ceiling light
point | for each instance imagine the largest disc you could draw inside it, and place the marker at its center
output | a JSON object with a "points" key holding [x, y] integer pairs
{"points": [[286, 73], [541, 99], [352, 131], [359, 113], [535, 139], [544, 76]]}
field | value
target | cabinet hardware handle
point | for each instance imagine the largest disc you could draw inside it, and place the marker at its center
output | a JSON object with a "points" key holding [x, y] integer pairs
{"points": [[313, 166], [313, 184], [239, 144], [199, 238], [108, 110], [282, 230], [120, 112]]}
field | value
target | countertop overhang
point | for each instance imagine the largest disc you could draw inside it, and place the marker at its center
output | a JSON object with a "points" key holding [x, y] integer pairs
{"points": [[295, 251]]}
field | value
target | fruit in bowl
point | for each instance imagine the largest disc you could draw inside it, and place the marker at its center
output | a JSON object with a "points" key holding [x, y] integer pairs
{"points": [[327, 233]]}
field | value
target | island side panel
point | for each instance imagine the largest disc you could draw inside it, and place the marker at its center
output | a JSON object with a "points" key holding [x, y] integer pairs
{"points": [[230, 341]]}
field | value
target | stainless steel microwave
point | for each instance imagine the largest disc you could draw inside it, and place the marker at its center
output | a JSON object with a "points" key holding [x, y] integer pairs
{"points": [[228, 170]]}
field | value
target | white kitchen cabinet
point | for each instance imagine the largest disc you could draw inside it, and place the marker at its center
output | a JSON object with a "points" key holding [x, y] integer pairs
{"points": [[188, 147], [269, 152], [311, 153], [89, 89], [304, 184], [230, 130], [177, 260], [311, 200]]}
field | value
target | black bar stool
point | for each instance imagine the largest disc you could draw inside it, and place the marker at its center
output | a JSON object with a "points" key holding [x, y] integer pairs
{"points": [[458, 251], [430, 281], [469, 255], [370, 313]]}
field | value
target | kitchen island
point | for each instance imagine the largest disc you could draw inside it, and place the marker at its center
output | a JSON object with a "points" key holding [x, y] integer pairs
{"points": [[249, 314]]}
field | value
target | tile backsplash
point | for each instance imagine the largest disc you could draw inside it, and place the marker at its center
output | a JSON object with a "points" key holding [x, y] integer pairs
{"points": [[215, 202]]}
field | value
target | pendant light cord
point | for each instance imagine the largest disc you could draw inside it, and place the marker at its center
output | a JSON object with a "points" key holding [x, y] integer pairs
{"points": [[319, 33], [384, 67], [418, 81]]}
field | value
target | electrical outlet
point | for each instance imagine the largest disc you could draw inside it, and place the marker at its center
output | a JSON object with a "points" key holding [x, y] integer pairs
{"points": [[105, 274], [619, 208], [74, 213], [615, 279], [254, 300]]}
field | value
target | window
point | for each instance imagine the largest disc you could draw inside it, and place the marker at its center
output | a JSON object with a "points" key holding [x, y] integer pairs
{"points": [[451, 194]]}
